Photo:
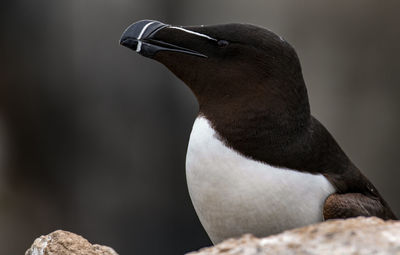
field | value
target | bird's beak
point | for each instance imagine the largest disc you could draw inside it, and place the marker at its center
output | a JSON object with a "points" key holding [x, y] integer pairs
{"points": [[139, 37]]}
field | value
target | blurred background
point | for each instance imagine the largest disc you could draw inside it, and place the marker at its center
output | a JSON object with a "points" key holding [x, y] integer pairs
{"points": [[93, 137]]}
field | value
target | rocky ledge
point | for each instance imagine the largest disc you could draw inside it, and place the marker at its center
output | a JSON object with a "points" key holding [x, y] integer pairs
{"points": [[356, 236], [66, 243]]}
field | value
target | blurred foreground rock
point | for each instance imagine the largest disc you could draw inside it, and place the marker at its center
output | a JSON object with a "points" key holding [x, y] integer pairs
{"points": [[66, 243], [359, 236]]}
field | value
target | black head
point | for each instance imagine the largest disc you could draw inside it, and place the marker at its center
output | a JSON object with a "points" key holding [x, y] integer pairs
{"points": [[240, 67]]}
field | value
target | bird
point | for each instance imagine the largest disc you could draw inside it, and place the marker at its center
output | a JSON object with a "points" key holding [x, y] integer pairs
{"points": [[257, 161]]}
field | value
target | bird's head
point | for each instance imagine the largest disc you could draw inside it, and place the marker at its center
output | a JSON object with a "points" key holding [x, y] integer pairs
{"points": [[231, 64]]}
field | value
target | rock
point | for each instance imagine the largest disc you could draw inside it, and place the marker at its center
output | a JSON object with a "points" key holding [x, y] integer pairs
{"points": [[66, 243], [359, 236]]}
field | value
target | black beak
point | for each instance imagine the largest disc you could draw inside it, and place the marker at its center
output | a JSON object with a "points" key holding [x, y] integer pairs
{"points": [[139, 37]]}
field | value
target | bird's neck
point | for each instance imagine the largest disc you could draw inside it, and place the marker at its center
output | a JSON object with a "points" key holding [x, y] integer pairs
{"points": [[251, 124]]}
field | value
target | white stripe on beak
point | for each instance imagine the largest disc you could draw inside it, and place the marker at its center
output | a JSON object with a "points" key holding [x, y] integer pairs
{"points": [[139, 45], [194, 33]]}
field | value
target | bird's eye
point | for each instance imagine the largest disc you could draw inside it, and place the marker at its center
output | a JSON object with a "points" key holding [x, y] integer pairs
{"points": [[222, 43]]}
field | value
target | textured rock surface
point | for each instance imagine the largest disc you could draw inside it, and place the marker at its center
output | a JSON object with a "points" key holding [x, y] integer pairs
{"points": [[353, 236], [66, 243]]}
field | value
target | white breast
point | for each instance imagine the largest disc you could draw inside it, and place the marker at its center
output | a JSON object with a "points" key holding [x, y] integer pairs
{"points": [[233, 194]]}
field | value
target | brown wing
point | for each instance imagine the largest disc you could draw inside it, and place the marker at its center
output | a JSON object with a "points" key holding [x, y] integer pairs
{"points": [[355, 204]]}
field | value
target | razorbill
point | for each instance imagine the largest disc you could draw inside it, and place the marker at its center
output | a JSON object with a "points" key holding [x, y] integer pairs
{"points": [[257, 162]]}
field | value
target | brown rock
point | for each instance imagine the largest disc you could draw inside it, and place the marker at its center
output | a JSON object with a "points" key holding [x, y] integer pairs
{"points": [[66, 243], [357, 236]]}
